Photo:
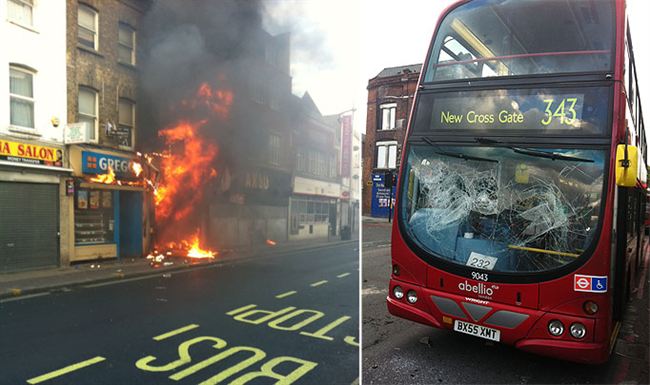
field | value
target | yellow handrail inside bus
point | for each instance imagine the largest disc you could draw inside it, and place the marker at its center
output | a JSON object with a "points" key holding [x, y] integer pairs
{"points": [[477, 44], [562, 253]]}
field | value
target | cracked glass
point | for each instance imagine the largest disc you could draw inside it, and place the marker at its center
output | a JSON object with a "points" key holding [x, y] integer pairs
{"points": [[496, 209]]}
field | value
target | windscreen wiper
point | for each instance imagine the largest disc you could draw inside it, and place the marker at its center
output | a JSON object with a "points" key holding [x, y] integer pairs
{"points": [[456, 154], [532, 152]]}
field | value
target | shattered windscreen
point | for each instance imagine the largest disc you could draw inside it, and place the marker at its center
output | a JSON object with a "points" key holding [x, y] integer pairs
{"points": [[502, 209]]}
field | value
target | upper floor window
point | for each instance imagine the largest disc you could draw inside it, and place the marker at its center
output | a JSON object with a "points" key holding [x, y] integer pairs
{"points": [[20, 11], [485, 38], [275, 149], [88, 109], [387, 154], [87, 27], [387, 112], [126, 45], [21, 95], [126, 122]]}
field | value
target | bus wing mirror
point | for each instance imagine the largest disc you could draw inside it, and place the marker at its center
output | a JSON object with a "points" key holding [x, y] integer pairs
{"points": [[626, 165]]}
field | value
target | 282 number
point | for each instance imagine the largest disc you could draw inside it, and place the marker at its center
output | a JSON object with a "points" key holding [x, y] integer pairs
{"points": [[480, 263]]}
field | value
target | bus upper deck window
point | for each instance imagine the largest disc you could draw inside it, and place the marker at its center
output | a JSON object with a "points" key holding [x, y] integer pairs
{"points": [[485, 38]]}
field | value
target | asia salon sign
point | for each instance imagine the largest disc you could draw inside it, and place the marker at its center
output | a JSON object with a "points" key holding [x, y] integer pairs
{"points": [[98, 163], [30, 153]]}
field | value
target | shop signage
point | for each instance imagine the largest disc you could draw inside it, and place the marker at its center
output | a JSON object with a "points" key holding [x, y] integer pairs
{"points": [[30, 153], [264, 186], [97, 163], [316, 187], [346, 145], [77, 133]]}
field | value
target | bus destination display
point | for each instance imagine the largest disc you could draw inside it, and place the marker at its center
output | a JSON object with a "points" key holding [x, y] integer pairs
{"points": [[561, 111]]}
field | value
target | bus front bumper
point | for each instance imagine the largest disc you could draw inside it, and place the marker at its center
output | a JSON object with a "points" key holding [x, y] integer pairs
{"points": [[530, 335]]}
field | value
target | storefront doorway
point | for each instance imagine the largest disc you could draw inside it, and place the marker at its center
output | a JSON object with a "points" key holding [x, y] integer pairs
{"points": [[130, 232]]}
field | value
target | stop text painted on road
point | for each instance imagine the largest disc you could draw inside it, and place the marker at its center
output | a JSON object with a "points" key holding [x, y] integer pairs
{"points": [[280, 320]]}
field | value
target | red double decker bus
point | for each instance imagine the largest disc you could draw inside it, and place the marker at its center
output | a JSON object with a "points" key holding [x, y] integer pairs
{"points": [[522, 186]]}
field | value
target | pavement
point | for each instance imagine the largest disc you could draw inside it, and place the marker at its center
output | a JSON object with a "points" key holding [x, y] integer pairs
{"points": [[288, 317], [34, 282], [397, 351]]}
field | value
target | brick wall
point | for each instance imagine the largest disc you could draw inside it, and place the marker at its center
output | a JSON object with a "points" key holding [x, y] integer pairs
{"points": [[397, 89], [100, 69]]}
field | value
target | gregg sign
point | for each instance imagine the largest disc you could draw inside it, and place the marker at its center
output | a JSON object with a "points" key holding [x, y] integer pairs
{"points": [[96, 163]]}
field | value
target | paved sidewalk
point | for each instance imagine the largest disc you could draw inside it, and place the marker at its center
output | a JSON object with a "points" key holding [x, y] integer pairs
{"points": [[34, 282], [367, 219]]}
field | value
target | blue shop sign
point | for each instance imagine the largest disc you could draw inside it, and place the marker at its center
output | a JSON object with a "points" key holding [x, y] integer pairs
{"points": [[96, 163]]}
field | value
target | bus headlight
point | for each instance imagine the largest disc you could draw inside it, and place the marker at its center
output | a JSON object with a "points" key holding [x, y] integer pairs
{"points": [[398, 292], [578, 330], [556, 328], [412, 296]]}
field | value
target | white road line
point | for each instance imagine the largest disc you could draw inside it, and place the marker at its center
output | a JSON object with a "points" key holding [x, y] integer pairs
{"points": [[28, 296]]}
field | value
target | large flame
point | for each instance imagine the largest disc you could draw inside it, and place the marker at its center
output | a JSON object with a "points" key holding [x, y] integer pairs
{"points": [[187, 165], [185, 172], [108, 178], [217, 100], [195, 250]]}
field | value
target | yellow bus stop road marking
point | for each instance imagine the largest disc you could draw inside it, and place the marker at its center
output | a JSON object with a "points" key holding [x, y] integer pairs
{"points": [[66, 370], [318, 283], [175, 332], [342, 275], [284, 295]]}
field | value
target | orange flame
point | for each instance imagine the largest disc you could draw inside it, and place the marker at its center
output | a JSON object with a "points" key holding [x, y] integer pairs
{"points": [[108, 178], [187, 170], [195, 250], [271, 242]]}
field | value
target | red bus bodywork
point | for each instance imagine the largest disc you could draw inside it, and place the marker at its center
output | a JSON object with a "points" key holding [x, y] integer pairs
{"points": [[536, 303]]}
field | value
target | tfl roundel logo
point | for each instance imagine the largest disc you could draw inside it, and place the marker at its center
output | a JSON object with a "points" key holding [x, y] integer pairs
{"points": [[590, 283]]}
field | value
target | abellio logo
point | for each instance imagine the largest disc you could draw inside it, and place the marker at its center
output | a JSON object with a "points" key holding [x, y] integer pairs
{"points": [[481, 288]]}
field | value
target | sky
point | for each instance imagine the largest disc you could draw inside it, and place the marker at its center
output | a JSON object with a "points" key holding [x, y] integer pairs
{"points": [[338, 45]]}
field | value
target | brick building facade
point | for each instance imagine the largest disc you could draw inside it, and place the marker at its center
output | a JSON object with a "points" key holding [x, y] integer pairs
{"points": [[390, 96], [108, 220]]}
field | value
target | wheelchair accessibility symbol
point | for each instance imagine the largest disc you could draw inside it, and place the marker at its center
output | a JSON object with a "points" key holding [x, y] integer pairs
{"points": [[590, 283]]}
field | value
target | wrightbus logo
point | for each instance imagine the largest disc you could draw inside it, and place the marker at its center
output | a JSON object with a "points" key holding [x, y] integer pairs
{"points": [[481, 288]]}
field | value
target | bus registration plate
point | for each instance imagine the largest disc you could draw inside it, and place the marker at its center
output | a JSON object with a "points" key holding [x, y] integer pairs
{"points": [[477, 330]]}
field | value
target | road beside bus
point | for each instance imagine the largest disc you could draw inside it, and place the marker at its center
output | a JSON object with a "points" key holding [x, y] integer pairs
{"points": [[290, 316], [397, 351]]}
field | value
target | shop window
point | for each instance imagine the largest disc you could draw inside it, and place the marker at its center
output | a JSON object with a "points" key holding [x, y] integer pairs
{"points": [[308, 212], [94, 218], [126, 123], [21, 95], [87, 27], [88, 109], [126, 44], [21, 11]]}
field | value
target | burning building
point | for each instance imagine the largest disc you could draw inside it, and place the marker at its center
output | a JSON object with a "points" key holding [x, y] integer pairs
{"points": [[218, 111]]}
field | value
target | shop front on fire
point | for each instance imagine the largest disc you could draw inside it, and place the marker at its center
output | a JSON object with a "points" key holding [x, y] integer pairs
{"points": [[112, 210]]}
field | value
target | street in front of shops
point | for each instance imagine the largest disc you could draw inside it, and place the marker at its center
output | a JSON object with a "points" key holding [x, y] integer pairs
{"points": [[398, 351], [290, 316]]}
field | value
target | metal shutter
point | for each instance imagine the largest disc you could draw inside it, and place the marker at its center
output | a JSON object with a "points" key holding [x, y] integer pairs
{"points": [[29, 225]]}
